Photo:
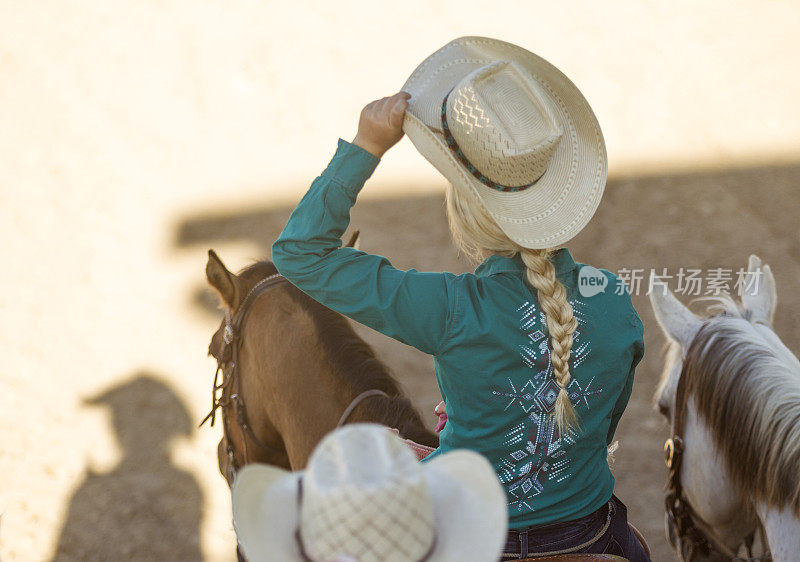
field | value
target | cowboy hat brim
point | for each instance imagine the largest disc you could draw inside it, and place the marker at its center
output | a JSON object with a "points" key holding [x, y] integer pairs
{"points": [[470, 510], [561, 202]]}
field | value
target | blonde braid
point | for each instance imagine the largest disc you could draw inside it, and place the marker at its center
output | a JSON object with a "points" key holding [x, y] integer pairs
{"points": [[477, 234], [561, 324]]}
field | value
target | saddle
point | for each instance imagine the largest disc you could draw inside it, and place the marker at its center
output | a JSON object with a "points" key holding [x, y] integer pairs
{"points": [[577, 558], [589, 557]]}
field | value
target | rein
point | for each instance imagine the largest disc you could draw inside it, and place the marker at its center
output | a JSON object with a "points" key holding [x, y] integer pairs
{"points": [[228, 393], [356, 401], [688, 532]]}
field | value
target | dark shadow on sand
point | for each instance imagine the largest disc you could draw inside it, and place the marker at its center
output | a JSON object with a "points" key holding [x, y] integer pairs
{"points": [[145, 508]]}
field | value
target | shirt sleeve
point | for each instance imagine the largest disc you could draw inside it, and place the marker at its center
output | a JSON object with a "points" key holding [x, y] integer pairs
{"points": [[413, 307], [637, 347]]}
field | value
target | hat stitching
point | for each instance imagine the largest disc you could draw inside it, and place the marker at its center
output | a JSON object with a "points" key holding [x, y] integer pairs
{"points": [[429, 60]]}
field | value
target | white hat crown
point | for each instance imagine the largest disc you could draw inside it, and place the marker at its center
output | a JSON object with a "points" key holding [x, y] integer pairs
{"points": [[365, 495], [502, 125]]}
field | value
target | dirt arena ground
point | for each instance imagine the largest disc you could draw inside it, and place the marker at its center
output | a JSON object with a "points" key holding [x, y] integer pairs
{"points": [[134, 479], [136, 135]]}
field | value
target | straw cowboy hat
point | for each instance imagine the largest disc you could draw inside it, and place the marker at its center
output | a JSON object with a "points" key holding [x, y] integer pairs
{"points": [[507, 125], [365, 497]]}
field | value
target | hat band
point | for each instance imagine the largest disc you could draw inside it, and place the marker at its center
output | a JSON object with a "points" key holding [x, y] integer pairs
{"points": [[451, 142]]}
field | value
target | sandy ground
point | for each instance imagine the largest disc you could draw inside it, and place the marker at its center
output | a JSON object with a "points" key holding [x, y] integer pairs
{"points": [[136, 135]]}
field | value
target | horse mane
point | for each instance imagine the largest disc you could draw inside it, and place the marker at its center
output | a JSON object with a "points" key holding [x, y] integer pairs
{"points": [[750, 398], [356, 363]]}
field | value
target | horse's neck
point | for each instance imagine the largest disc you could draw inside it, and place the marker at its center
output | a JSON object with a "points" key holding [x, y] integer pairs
{"points": [[783, 532], [781, 525], [708, 486]]}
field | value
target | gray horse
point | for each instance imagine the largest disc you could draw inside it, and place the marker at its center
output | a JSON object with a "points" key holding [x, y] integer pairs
{"points": [[737, 390]]}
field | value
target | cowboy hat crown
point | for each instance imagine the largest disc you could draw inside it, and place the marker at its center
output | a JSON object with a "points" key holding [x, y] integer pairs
{"points": [[501, 125], [349, 484]]}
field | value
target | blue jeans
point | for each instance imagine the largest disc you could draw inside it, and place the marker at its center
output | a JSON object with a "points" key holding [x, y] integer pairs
{"points": [[618, 538]]}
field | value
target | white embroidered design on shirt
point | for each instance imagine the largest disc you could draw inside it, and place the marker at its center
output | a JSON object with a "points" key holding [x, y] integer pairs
{"points": [[537, 450]]}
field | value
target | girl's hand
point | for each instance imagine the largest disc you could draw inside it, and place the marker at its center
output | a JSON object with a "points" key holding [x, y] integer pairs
{"points": [[381, 124]]}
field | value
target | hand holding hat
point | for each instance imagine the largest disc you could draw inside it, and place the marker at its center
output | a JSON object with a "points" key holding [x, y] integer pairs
{"points": [[381, 124]]}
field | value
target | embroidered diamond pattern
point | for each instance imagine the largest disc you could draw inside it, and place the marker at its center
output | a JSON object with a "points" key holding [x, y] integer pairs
{"points": [[546, 396]]}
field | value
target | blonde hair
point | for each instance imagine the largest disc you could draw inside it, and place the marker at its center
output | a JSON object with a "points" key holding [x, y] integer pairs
{"points": [[477, 234]]}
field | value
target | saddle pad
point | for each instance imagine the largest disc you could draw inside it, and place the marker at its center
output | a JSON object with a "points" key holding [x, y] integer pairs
{"points": [[421, 451]]}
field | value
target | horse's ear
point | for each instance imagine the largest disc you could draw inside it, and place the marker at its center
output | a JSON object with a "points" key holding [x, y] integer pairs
{"points": [[677, 321], [758, 293], [223, 281], [355, 240]]}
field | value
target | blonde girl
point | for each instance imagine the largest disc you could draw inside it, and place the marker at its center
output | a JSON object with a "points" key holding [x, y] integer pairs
{"points": [[534, 353]]}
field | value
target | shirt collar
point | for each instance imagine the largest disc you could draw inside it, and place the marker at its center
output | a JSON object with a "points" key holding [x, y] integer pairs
{"points": [[561, 258]]}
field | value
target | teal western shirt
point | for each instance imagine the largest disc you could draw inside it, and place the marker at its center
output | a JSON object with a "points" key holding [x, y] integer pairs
{"points": [[488, 339]]}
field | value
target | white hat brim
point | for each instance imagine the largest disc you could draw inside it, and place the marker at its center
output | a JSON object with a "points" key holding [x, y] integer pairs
{"points": [[266, 512], [562, 201], [470, 507], [470, 510]]}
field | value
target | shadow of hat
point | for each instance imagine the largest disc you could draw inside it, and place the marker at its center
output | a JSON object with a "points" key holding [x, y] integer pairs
{"points": [[144, 403]]}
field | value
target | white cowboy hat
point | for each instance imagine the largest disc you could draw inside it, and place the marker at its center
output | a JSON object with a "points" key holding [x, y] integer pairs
{"points": [[509, 126], [364, 496]]}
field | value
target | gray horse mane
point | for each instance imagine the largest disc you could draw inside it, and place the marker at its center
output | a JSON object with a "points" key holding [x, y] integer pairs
{"points": [[749, 396]]}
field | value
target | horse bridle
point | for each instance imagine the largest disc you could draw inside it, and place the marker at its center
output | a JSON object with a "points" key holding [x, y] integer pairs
{"points": [[687, 531], [228, 393]]}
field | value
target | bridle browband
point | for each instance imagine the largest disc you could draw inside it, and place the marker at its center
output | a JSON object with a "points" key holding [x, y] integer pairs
{"points": [[692, 535], [228, 393]]}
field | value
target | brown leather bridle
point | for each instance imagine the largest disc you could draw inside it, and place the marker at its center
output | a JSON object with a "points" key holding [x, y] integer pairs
{"points": [[687, 531], [228, 394]]}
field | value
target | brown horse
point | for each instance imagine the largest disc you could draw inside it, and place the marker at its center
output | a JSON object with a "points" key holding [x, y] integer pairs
{"points": [[298, 366], [303, 371]]}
